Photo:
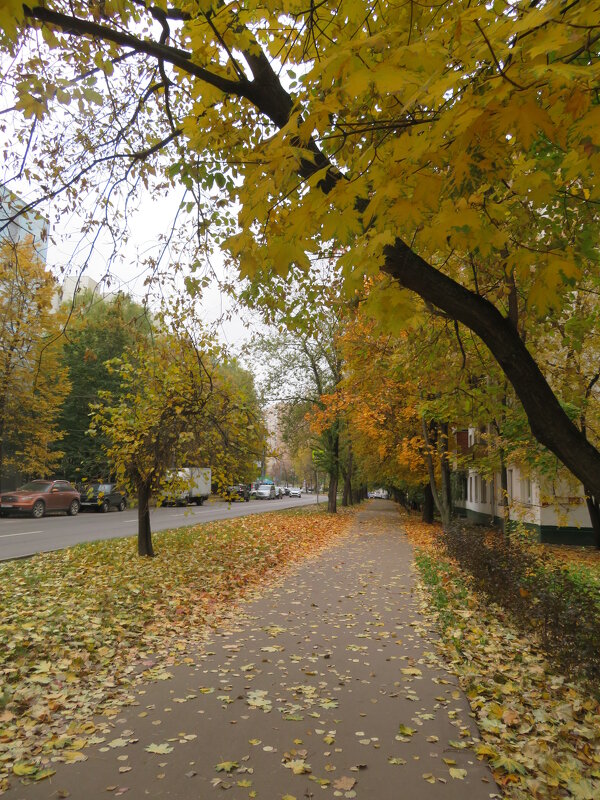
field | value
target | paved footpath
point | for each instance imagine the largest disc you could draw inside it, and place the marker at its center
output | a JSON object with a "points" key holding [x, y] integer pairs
{"points": [[326, 687]]}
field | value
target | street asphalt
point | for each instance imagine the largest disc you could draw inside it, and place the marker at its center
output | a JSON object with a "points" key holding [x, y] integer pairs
{"points": [[22, 536]]}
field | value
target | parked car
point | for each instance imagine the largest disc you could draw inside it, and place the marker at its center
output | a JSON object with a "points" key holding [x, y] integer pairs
{"points": [[279, 492], [102, 497], [295, 491], [239, 491], [266, 491], [38, 497]]}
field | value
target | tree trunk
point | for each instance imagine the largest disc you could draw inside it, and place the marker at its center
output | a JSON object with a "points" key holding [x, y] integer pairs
{"points": [[347, 496], [427, 504], [144, 532], [439, 498], [446, 488], [594, 510], [332, 496], [505, 497], [1, 459], [334, 470], [549, 423]]}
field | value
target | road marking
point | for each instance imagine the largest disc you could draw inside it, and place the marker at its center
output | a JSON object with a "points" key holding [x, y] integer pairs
{"points": [[27, 533], [127, 522]]}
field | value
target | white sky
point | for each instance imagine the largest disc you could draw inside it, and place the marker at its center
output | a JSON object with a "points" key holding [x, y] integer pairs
{"points": [[70, 253]]}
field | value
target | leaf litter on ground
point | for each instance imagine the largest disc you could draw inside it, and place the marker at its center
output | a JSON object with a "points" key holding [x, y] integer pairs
{"points": [[540, 732], [82, 627]]}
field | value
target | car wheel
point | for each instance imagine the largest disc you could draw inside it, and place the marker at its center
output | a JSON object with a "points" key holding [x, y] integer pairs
{"points": [[73, 508], [38, 510], [122, 505], [105, 507], [4, 513]]}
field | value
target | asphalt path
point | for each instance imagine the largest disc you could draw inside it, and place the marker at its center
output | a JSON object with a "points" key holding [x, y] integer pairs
{"points": [[328, 686], [22, 536]]}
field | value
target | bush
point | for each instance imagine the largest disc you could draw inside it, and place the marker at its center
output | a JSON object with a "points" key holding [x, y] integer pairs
{"points": [[561, 603]]}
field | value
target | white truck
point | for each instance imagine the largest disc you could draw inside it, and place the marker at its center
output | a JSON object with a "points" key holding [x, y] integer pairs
{"points": [[190, 485]]}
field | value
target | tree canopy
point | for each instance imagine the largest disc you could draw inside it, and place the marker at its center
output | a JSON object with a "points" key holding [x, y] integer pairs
{"points": [[177, 404], [451, 147]]}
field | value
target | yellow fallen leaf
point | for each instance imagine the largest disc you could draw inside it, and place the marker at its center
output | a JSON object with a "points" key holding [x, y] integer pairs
{"points": [[459, 774]]}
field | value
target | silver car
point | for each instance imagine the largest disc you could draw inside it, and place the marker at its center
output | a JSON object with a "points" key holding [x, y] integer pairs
{"points": [[266, 491], [295, 491]]}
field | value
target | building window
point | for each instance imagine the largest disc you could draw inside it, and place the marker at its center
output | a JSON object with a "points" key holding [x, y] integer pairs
{"points": [[483, 491], [526, 491], [509, 481], [470, 488], [476, 487]]}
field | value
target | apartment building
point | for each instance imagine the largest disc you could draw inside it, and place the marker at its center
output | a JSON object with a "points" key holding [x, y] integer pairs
{"points": [[554, 510]]}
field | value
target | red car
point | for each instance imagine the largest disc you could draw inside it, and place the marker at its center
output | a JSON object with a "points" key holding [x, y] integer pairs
{"points": [[38, 497]]}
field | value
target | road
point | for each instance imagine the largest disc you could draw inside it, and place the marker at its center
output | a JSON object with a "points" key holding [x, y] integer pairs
{"points": [[23, 536]]}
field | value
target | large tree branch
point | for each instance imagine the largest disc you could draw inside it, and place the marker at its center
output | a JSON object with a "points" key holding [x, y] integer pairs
{"points": [[549, 423], [75, 26]]}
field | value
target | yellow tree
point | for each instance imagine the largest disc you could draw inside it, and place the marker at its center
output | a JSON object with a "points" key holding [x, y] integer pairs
{"points": [[380, 404], [33, 383], [178, 405]]}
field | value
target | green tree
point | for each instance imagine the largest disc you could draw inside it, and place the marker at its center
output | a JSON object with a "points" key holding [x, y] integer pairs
{"points": [[454, 149], [33, 382], [99, 330]]}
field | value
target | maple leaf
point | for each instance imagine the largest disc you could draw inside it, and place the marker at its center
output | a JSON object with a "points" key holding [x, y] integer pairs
{"points": [[344, 783], [160, 749], [22, 768], [298, 766], [227, 766]]}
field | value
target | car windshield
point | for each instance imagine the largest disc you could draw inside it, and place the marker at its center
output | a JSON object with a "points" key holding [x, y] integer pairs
{"points": [[35, 486]]}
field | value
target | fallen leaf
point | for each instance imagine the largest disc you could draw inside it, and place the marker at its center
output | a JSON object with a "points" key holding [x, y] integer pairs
{"points": [[160, 749], [459, 774], [344, 783], [227, 766]]}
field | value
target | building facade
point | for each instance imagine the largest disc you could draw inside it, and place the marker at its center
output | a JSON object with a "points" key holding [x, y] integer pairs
{"points": [[556, 512]]}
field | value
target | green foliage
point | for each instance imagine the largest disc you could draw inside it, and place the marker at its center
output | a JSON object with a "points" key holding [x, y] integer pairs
{"points": [[437, 574], [99, 330]]}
